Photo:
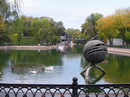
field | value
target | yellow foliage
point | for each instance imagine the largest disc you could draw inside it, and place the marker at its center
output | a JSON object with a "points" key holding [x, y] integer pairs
{"points": [[106, 23], [127, 20], [123, 18], [112, 26]]}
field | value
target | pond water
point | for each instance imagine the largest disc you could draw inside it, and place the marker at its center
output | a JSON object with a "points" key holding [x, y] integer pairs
{"points": [[55, 67]]}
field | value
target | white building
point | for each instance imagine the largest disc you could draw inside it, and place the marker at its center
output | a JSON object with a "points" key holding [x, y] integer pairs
{"points": [[116, 42]]}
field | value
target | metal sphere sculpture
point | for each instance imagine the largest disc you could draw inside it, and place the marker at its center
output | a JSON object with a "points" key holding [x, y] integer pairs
{"points": [[95, 51]]}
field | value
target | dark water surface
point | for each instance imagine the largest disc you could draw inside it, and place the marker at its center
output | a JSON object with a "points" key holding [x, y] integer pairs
{"points": [[55, 67]]}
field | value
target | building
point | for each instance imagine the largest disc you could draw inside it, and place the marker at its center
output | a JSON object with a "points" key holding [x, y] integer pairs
{"points": [[64, 36]]}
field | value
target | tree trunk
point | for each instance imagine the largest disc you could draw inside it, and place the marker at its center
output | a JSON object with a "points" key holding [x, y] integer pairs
{"points": [[111, 41]]}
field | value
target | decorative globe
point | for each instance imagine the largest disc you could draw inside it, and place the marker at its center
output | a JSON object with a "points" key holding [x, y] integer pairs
{"points": [[95, 51]]}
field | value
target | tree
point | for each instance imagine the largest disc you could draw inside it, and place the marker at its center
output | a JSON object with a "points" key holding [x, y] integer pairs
{"points": [[17, 29], [73, 33], [59, 27], [127, 37], [1, 23], [89, 26], [106, 28], [26, 22], [46, 30], [117, 25], [122, 17], [2, 26], [41, 28], [8, 12]]}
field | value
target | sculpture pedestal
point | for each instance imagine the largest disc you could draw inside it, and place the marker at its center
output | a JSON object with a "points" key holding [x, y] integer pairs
{"points": [[87, 71]]}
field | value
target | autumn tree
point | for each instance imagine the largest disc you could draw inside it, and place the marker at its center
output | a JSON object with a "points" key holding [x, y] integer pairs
{"points": [[116, 25], [106, 28], [122, 17]]}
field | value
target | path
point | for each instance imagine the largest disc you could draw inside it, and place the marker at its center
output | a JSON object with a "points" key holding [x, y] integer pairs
{"points": [[119, 51], [28, 47]]}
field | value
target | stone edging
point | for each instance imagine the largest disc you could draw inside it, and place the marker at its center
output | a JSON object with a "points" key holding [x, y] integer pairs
{"points": [[119, 51]]}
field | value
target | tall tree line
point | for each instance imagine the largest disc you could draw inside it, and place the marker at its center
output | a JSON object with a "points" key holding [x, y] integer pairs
{"points": [[115, 26], [41, 29], [8, 12], [109, 27], [18, 29]]}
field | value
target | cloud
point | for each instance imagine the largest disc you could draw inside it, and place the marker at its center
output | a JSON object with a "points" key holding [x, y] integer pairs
{"points": [[72, 13]]}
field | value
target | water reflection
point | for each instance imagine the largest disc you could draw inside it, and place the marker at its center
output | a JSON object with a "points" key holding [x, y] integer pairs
{"points": [[34, 62], [89, 78], [117, 69], [93, 80], [40, 67], [58, 67], [22, 68]]}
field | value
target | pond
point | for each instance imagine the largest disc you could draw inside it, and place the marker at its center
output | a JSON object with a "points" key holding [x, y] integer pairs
{"points": [[56, 67]]}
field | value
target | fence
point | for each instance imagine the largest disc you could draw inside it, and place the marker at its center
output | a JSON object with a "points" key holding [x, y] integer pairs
{"points": [[67, 90]]}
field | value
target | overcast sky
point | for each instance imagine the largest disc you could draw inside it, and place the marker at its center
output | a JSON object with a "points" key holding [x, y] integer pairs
{"points": [[71, 12]]}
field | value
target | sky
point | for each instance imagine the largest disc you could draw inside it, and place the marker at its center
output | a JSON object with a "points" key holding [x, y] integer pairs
{"points": [[71, 12]]}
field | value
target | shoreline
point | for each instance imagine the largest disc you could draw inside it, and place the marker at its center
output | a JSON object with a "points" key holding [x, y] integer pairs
{"points": [[119, 51], [111, 50], [28, 47]]}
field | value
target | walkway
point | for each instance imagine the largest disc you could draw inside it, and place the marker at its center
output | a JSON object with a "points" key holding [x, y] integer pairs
{"points": [[28, 47], [119, 51]]}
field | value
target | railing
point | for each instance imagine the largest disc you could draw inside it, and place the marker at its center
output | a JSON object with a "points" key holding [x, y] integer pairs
{"points": [[72, 90]]}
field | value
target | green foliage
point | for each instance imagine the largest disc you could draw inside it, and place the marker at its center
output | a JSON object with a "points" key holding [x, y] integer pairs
{"points": [[1, 23], [89, 26], [59, 28], [4, 39], [8, 13], [45, 30], [73, 33], [2, 26], [28, 41], [14, 38], [127, 35], [55, 39]]}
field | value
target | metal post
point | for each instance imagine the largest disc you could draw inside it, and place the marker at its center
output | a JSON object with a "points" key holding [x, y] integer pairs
{"points": [[75, 89]]}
